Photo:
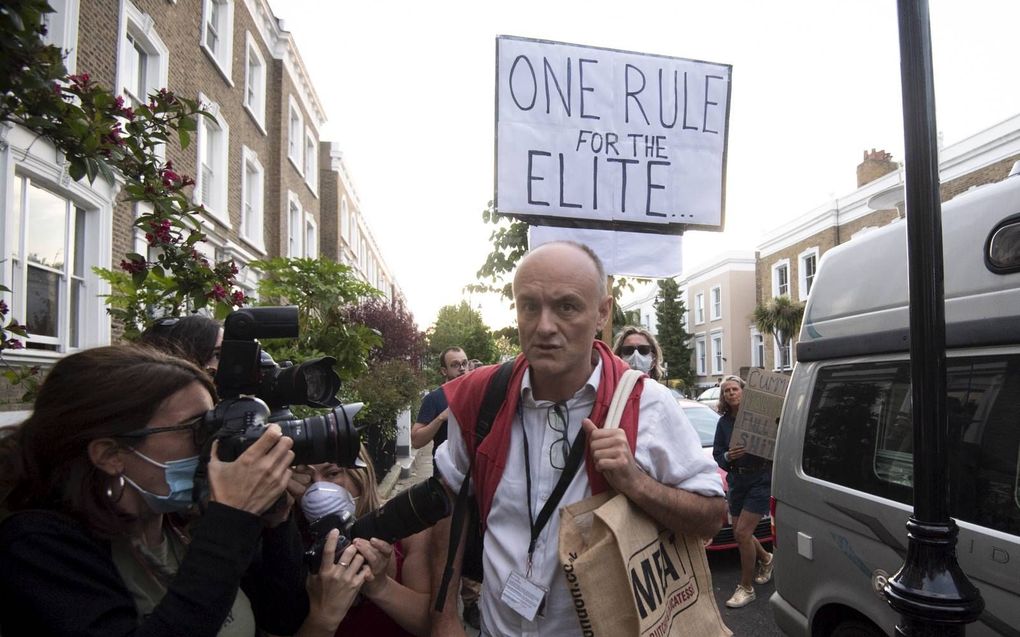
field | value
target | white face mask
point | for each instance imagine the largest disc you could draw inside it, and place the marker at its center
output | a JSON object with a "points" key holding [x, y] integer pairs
{"points": [[639, 362]]}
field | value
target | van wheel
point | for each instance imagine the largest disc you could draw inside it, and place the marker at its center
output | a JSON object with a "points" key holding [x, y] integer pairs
{"points": [[855, 628]]}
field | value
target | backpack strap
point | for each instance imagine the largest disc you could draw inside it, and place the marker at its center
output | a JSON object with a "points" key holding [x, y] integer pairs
{"points": [[495, 395]]}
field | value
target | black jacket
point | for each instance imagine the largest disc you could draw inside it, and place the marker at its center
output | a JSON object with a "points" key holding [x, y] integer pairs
{"points": [[58, 579]]}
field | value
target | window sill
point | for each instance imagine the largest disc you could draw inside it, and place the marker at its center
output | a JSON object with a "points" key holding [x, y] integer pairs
{"points": [[260, 123], [257, 246], [224, 73], [296, 165], [211, 215]]}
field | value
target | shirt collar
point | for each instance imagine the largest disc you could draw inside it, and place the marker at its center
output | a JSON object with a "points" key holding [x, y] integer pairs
{"points": [[590, 387]]}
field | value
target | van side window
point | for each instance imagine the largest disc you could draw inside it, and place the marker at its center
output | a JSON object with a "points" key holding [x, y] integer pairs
{"points": [[860, 435]]}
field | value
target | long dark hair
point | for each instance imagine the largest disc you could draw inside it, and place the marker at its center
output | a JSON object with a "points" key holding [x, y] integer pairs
{"points": [[191, 337], [93, 394]]}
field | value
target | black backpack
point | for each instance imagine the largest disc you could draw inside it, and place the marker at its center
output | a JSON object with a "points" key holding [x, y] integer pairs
{"points": [[471, 566]]}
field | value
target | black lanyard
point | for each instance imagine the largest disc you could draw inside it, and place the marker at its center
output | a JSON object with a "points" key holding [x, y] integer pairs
{"points": [[569, 470]]}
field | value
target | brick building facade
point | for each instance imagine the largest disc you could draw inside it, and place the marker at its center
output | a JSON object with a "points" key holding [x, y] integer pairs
{"points": [[259, 164]]}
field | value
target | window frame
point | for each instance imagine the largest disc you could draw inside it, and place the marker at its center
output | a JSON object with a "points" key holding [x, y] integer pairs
{"points": [[715, 302], [311, 249], [16, 269], [249, 158], [718, 362], [295, 212], [757, 348], [803, 283], [700, 355], [218, 208], [257, 111], [311, 161], [782, 264], [62, 30], [699, 308], [224, 58], [140, 27], [296, 136]]}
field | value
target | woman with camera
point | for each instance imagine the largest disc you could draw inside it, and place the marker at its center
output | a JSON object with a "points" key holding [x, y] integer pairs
{"points": [[396, 590], [91, 543]]}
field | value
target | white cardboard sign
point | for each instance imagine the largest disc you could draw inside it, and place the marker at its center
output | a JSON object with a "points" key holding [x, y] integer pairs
{"points": [[591, 137]]}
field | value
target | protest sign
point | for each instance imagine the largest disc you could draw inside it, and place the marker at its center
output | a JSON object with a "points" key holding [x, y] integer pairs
{"points": [[760, 408], [622, 253], [599, 138]]}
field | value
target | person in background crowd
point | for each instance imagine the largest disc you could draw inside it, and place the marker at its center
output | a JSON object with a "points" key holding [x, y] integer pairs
{"points": [[396, 593], [559, 388], [639, 349], [750, 484], [89, 543], [431, 425], [195, 338]]}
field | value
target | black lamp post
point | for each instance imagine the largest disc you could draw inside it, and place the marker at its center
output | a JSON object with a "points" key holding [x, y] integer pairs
{"points": [[931, 593]]}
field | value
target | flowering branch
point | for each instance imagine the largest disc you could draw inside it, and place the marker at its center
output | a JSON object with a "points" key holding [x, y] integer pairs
{"points": [[100, 135]]}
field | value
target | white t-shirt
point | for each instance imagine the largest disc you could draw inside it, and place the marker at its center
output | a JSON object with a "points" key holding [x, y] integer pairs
{"points": [[668, 449]]}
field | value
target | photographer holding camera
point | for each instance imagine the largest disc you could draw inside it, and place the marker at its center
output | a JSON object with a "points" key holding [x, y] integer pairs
{"points": [[397, 585], [89, 543]]}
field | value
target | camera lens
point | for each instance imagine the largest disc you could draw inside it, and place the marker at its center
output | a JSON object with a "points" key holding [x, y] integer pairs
{"points": [[405, 514], [330, 437]]}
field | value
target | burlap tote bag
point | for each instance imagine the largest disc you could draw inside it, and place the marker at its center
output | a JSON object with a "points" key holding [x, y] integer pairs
{"points": [[629, 576]]}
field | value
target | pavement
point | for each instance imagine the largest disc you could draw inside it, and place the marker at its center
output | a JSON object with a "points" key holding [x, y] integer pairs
{"points": [[407, 472]]}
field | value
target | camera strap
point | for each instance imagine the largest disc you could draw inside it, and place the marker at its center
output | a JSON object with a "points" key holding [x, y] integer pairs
{"points": [[495, 395]]}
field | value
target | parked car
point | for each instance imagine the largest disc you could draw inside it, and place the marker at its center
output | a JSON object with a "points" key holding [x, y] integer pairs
{"points": [[709, 397], [705, 420], [844, 463]]}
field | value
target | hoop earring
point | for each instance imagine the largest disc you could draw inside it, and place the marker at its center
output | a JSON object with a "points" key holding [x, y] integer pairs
{"points": [[120, 489]]}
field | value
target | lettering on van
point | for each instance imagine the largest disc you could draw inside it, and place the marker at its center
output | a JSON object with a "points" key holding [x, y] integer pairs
{"points": [[758, 419]]}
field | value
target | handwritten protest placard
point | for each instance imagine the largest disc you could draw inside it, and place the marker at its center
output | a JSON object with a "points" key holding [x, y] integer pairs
{"points": [[758, 418], [599, 138]]}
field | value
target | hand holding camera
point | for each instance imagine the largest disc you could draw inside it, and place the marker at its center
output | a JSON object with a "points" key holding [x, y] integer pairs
{"points": [[377, 554], [332, 591], [254, 481]]}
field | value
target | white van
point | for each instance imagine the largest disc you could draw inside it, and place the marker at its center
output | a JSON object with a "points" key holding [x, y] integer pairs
{"points": [[843, 467]]}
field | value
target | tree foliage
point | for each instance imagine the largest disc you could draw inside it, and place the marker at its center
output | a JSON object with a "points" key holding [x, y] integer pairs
{"points": [[462, 326], [779, 316], [320, 289], [99, 136], [509, 243], [401, 339], [673, 337]]}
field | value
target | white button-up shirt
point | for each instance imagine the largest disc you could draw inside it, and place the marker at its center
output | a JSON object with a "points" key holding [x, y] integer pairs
{"points": [[668, 449]]}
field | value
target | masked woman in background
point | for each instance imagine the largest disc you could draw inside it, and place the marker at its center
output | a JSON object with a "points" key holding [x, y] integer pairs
{"points": [[395, 595], [639, 349], [89, 544]]}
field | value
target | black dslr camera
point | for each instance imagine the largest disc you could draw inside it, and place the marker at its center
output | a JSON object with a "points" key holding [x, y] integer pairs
{"points": [[254, 391], [407, 513]]}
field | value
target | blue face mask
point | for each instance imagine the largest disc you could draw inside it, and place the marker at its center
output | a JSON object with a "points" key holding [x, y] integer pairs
{"points": [[180, 477]]}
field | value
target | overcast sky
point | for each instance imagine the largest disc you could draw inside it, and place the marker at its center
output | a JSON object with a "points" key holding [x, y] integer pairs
{"points": [[408, 89]]}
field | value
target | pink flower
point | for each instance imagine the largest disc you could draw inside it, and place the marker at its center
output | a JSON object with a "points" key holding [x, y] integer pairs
{"points": [[218, 293], [13, 343], [132, 266], [237, 298], [3, 308]]}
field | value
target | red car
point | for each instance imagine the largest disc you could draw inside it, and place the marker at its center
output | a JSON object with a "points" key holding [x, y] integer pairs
{"points": [[705, 419]]}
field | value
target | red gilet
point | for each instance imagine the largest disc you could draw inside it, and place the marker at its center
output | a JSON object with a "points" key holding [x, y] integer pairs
{"points": [[465, 396]]}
